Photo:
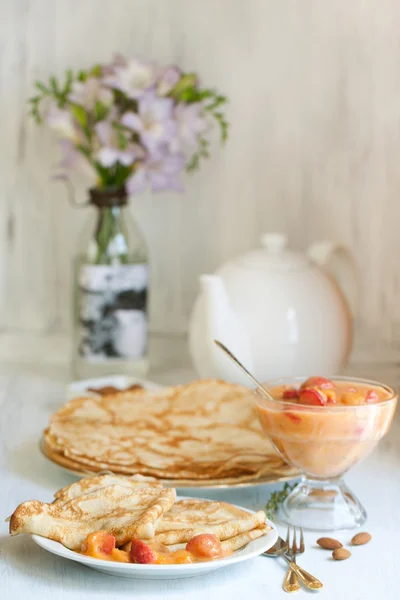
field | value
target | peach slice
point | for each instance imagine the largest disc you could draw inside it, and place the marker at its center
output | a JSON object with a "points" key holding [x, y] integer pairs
{"points": [[205, 545]]}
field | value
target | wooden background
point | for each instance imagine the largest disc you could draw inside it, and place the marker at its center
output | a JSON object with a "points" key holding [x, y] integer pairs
{"points": [[314, 150]]}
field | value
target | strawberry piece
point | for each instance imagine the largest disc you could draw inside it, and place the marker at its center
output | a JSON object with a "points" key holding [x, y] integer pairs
{"points": [[141, 553], [292, 416], [318, 382], [313, 397], [290, 394], [371, 396], [205, 545]]}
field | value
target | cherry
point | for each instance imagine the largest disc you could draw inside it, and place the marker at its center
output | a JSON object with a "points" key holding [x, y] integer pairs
{"points": [[372, 396], [318, 382], [141, 553], [313, 397]]}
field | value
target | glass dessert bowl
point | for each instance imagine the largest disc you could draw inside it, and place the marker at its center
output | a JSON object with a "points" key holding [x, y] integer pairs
{"points": [[323, 428]]}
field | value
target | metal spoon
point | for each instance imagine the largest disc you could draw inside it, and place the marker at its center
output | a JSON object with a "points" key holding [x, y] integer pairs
{"points": [[245, 371], [280, 550]]}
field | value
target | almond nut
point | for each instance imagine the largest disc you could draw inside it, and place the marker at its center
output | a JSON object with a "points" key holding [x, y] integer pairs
{"points": [[341, 554], [329, 543], [361, 538]]}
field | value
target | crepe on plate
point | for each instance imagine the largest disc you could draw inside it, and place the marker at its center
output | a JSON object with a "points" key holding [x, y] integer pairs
{"points": [[191, 517], [206, 430], [121, 507], [123, 511], [92, 484]]}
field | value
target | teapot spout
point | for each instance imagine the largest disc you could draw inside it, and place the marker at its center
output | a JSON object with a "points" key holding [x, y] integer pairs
{"points": [[213, 318]]}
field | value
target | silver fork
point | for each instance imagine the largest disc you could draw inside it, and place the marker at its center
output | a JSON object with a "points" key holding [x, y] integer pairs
{"points": [[292, 583], [279, 550]]}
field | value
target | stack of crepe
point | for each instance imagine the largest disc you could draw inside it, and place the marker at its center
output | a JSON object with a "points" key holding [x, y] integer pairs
{"points": [[204, 432], [134, 507]]}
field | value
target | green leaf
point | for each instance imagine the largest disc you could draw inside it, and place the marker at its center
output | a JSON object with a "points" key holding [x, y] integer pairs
{"points": [[185, 87], [202, 152], [40, 86], [100, 111], [122, 141], [54, 85], [68, 82], [82, 76], [121, 174], [80, 114], [96, 71]]}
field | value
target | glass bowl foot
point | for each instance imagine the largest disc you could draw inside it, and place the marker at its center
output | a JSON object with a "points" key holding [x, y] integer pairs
{"points": [[322, 506]]}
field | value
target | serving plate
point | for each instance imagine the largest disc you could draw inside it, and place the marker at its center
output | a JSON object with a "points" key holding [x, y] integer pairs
{"points": [[136, 571], [210, 484], [78, 388]]}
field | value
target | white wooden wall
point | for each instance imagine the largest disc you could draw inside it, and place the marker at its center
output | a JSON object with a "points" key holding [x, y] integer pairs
{"points": [[314, 150]]}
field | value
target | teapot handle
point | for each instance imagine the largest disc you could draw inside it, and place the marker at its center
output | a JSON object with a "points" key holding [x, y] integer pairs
{"points": [[339, 262]]}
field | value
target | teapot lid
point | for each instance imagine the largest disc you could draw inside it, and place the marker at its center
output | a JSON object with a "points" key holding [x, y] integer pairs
{"points": [[273, 255]]}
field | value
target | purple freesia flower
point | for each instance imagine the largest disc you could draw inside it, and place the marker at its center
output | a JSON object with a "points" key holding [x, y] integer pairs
{"points": [[87, 93], [168, 79], [153, 121], [110, 153], [190, 123], [132, 78], [73, 161], [160, 171]]}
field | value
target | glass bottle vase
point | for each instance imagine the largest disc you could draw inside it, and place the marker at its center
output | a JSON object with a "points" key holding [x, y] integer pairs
{"points": [[111, 279]]}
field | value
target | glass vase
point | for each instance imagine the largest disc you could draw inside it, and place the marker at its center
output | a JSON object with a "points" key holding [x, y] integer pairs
{"points": [[111, 279]]}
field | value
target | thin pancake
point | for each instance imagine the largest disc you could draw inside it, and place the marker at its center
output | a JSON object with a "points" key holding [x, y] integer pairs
{"points": [[191, 517], [205, 430], [92, 484], [123, 512], [235, 543]]}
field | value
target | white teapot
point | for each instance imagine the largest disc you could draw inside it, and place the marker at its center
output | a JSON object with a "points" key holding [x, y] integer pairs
{"points": [[280, 312]]}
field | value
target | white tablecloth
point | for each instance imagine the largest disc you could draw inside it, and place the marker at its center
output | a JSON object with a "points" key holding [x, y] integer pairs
{"points": [[29, 393]]}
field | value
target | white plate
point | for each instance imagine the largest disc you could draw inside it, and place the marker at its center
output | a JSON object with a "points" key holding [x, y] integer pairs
{"points": [[77, 388], [135, 571]]}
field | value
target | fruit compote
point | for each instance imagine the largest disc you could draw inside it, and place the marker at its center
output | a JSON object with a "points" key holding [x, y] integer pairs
{"points": [[323, 427], [202, 547]]}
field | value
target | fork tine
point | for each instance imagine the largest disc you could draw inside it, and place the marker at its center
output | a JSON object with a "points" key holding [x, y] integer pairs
{"points": [[287, 541], [294, 546], [302, 544]]}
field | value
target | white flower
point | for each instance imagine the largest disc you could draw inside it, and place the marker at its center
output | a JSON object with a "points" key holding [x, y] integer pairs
{"points": [[62, 122], [133, 78], [87, 93]]}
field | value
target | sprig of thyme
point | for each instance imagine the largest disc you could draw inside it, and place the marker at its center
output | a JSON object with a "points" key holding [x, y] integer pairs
{"points": [[277, 498]]}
